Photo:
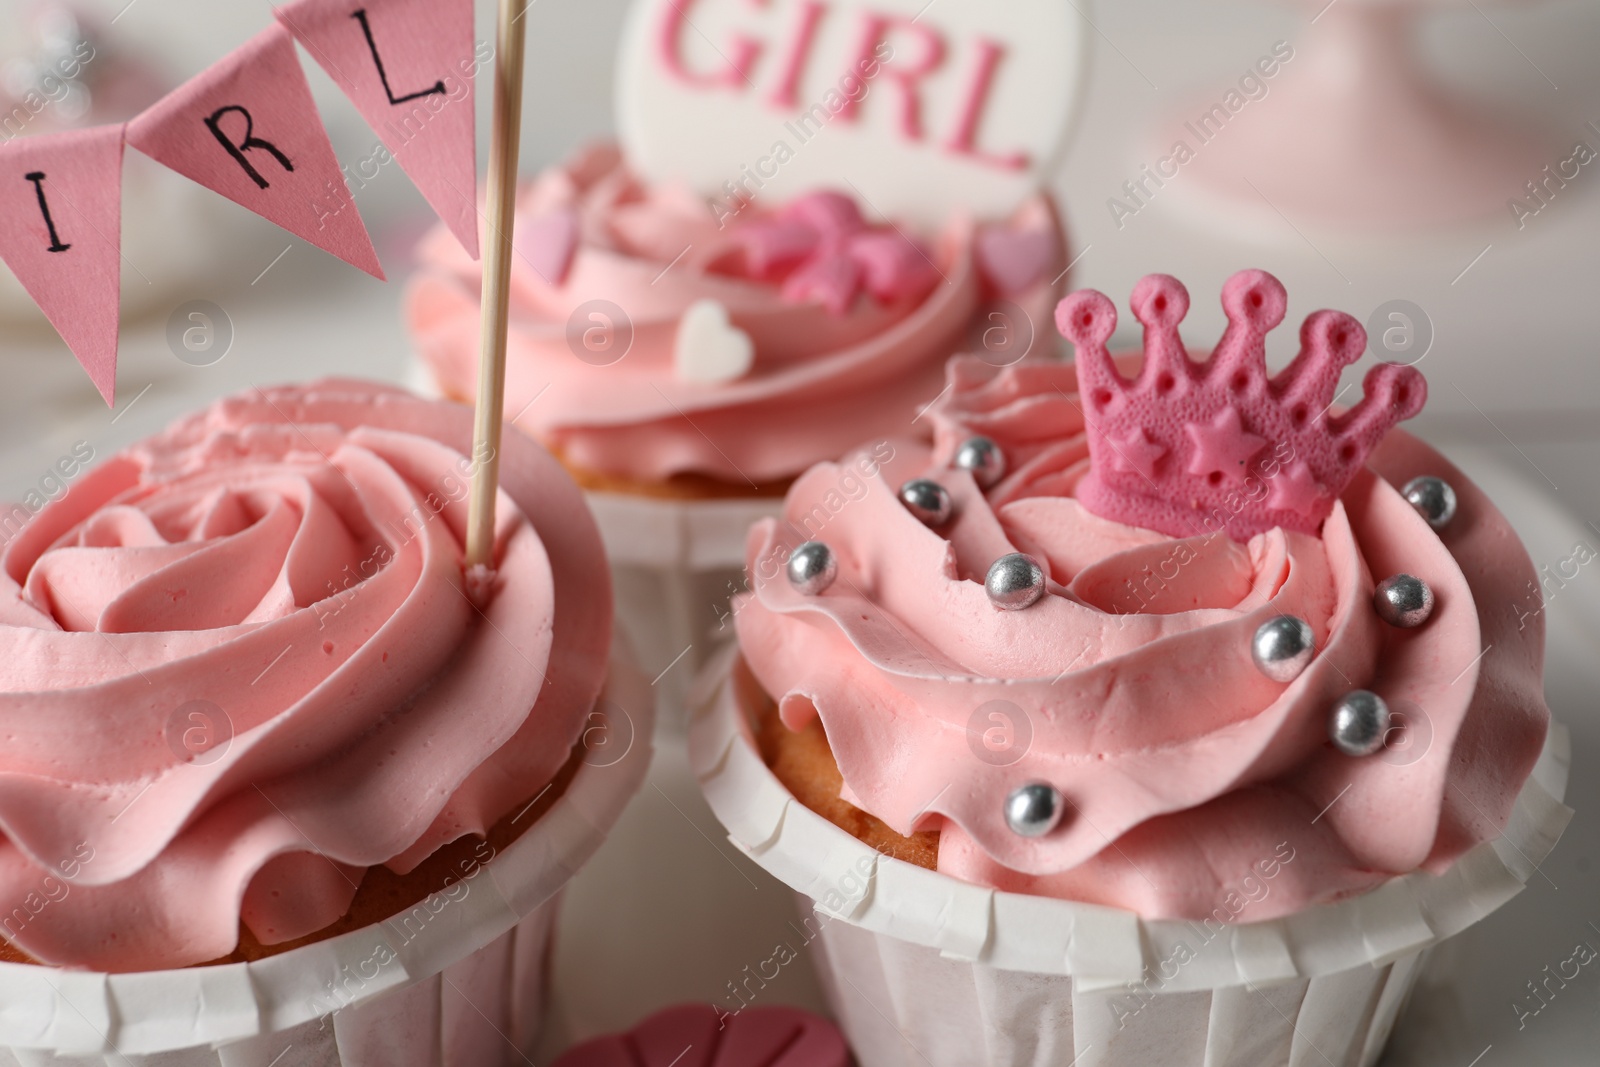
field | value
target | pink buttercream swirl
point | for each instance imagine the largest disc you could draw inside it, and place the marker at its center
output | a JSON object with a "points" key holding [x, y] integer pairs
{"points": [[1188, 774], [850, 322], [240, 669]]}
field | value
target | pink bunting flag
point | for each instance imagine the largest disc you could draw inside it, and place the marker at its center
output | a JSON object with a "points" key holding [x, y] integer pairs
{"points": [[409, 67], [61, 235], [247, 128]]}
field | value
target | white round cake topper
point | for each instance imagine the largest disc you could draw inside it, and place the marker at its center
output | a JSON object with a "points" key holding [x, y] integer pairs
{"points": [[917, 108]]}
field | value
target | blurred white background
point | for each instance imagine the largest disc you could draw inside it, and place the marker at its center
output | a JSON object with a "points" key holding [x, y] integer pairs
{"points": [[1514, 311], [1514, 376], [1514, 330]]}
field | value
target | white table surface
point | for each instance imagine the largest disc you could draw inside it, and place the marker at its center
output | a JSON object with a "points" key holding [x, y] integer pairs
{"points": [[670, 911]]}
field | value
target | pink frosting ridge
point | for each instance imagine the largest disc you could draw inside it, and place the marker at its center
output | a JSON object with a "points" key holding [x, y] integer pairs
{"points": [[1192, 780], [240, 670], [851, 322]]}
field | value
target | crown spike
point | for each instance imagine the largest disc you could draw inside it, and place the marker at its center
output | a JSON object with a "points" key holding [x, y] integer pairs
{"points": [[1329, 342], [1161, 303], [1088, 320], [1191, 449], [1255, 303], [1393, 392]]}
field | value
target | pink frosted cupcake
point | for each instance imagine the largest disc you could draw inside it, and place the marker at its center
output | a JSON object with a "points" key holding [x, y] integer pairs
{"points": [[686, 371], [272, 779], [1156, 713]]}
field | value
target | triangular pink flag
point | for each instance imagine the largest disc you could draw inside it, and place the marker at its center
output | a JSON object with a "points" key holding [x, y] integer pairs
{"points": [[248, 129], [61, 235], [409, 67]]}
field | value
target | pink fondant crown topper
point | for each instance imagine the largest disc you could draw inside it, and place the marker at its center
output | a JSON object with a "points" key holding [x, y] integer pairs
{"points": [[1195, 448]]}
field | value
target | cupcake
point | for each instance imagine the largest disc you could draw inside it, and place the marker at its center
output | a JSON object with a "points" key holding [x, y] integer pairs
{"points": [[1158, 712], [687, 365], [267, 763]]}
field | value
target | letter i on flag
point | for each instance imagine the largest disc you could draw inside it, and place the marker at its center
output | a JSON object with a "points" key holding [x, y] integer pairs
{"points": [[61, 235], [247, 128], [408, 66]]}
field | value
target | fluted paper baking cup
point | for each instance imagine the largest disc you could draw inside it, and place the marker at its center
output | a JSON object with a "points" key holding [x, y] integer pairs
{"points": [[924, 969], [456, 981], [676, 565]]}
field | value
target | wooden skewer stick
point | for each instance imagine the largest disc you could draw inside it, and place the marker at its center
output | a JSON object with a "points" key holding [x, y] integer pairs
{"points": [[504, 150]]}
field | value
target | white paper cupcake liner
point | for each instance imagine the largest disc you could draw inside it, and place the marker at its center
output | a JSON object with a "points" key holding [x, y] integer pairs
{"points": [[459, 980], [923, 969], [676, 566]]}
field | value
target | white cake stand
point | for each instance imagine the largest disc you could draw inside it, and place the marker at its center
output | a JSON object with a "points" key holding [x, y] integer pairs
{"points": [[1355, 132]]}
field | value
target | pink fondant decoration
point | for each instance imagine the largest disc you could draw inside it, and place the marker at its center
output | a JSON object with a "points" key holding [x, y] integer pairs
{"points": [[1242, 453], [893, 268], [832, 255], [258, 92], [1222, 446], [698, 1035], [548, 243], [408, 66], [61, 234], [1016, 261]]}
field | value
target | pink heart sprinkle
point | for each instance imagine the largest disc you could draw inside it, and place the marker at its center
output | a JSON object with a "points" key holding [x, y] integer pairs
{"points": [[1015, 261], [548, 244]]}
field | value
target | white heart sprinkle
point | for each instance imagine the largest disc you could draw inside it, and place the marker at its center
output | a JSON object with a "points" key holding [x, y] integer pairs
{"points": [[711, 349]]}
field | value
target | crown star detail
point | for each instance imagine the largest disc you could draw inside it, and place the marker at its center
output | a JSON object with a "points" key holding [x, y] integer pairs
{"points": [[1194, 448]]}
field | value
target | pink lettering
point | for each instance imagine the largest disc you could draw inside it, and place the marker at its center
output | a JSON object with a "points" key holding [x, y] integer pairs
{"points": [[965, 142], [909, 74], [787, 94], [741, 57]]}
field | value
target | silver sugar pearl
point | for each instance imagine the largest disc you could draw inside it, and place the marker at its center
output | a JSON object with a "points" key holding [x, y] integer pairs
{"points": [[928, 501], [1034, 809], [813, 568], [1434, 500], [984, 459], [1359, 723], [1015, 582], [1283, 648], [1403, 601]]}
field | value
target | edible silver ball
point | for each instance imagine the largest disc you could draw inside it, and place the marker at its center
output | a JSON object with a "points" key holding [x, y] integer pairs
{"points": [[1283, 648], [984, 459], [1359, 723], [1015, 582], [928, 501], [813, 568], [1035, 809], [1403, 601], [1434, 500]]}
